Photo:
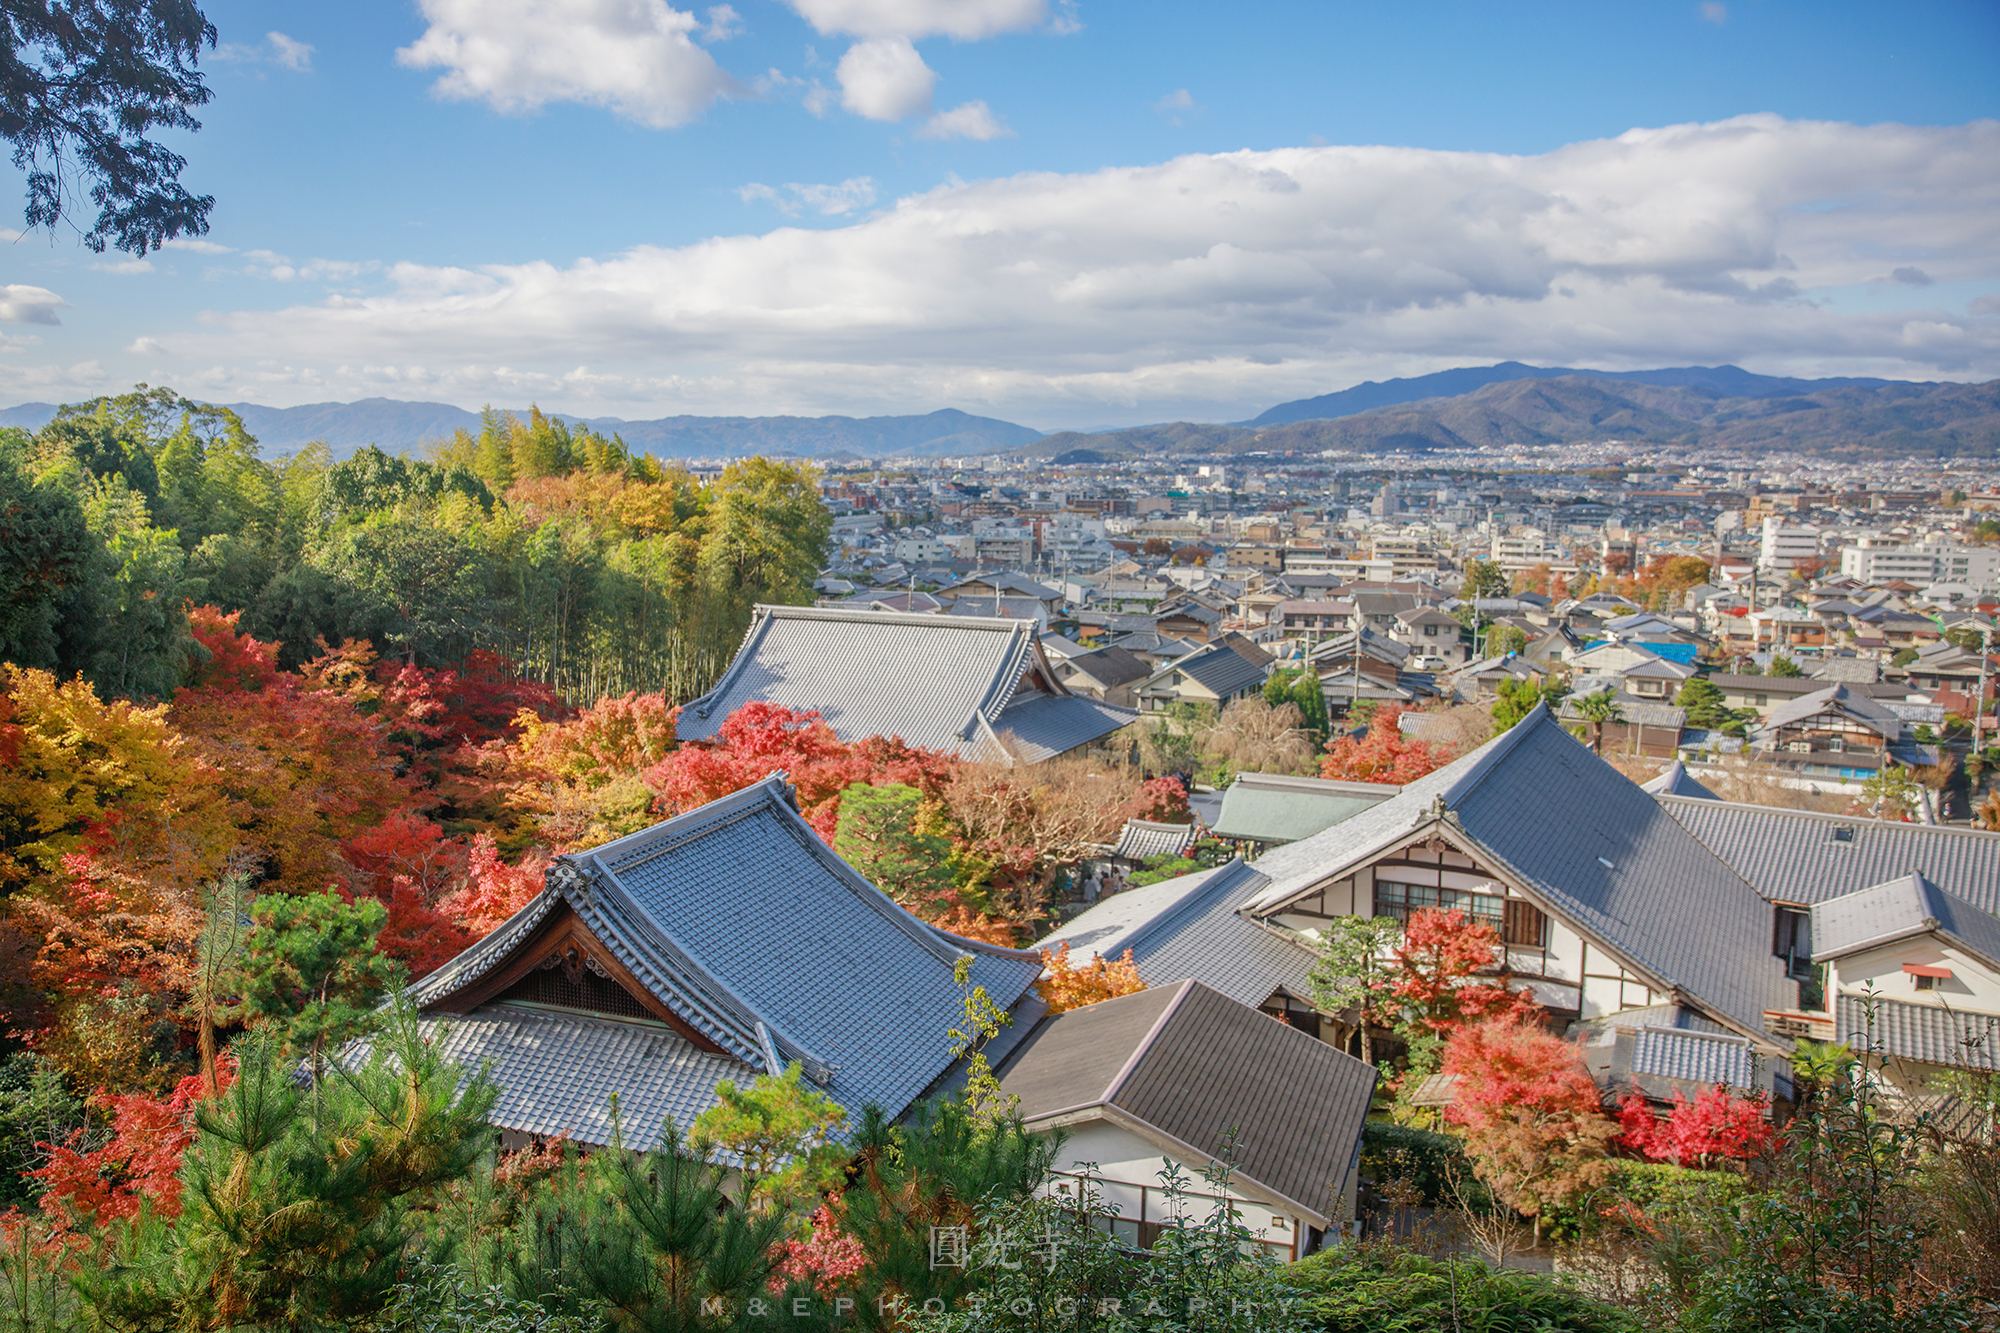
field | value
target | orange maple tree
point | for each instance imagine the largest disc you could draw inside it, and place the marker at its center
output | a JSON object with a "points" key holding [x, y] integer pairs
{"points": [[1382, 753], [1444, 974], [1064, 985]]}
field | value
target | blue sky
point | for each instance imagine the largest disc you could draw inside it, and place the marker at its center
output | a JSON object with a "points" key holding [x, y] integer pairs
{"points": [[1067, 214]]}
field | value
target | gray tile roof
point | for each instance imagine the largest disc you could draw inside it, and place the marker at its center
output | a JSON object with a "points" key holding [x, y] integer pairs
{"points": [[1111, 667], [1191, 927], [1041, 726], [745, 923], [1218, 668], [1842, 699], [1272, 807], [1695, 1057], [1899, 909], [1794, 856], [1675, 780], [1195, 1066], [1143, 838], [1596, 851], [1929, 1033], [940, 682], [558, 1072]]}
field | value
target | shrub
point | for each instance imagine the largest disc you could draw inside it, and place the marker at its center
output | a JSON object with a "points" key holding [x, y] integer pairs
{"points": [[1371, 1288]]}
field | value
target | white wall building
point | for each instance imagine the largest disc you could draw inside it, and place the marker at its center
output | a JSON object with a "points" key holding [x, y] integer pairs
{"points": [[1877, 560], [1786, 544]]}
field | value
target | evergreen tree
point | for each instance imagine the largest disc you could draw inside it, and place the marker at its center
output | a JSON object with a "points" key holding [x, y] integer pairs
{"points": [[883, 834]]}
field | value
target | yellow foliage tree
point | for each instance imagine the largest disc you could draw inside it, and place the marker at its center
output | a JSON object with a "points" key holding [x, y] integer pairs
{"points": [[1066, 986]]}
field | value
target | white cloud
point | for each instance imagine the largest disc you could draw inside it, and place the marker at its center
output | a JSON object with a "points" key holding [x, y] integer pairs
{"points": [[280, 268], [829, 200], [125, 267], [1176, 104], [199, 247], [1211, 284], [29, 305], [965, 20], [973, 120], [1713, 12], [885, 79], [723, 23], [289, 52], [636, 57]]}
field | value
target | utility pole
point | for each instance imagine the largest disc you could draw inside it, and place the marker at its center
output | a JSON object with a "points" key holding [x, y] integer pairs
{"points": [[1979, 704]]}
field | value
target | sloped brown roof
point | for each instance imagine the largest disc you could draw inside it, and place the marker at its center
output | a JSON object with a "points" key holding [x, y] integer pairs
{"points": [[1195, 1067]]}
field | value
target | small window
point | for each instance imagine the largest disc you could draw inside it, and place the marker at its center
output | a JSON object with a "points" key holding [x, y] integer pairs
{"points": [[1791, 940], [1845, 833], [1524, 926], [1926, 983]]}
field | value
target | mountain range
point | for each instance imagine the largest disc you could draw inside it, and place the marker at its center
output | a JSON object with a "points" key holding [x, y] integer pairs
{"points": [[1731, 410], [1468, 408], [397, 425]]}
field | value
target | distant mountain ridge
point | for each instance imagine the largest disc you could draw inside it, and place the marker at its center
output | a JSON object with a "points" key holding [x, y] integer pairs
{"points": [[395, 425], [1857, 420], [1725, 381]]}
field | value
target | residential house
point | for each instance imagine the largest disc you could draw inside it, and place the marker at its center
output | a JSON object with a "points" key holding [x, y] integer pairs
{"points": [[1837, 732], [1182, 1077], [1216, 676], [1437, 637], [1108, 674], [950, 683]]}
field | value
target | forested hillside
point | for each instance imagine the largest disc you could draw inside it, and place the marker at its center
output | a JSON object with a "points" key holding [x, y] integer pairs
{"points": [[591, 570]]}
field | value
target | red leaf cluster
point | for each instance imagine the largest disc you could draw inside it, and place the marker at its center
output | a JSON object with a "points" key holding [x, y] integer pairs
{"points": [[1161, 800], [1381, 754], [141, 1164], [1435, 976], [1716, 1126], [1504, 1066], [827, 1258]]}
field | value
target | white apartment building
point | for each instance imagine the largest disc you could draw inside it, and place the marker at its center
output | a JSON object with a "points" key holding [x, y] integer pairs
{"points": [[1878, 560], [1529, 544], [1785, 544], [921, 550]]}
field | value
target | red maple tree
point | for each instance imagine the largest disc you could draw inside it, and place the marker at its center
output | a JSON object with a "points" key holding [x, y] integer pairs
{"points": [[1716, 1126], [1437, 971], [1382, 753], [141, 1164]]}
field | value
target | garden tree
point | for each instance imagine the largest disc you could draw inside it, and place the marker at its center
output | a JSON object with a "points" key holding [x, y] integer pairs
{"points": [[1707, 708], [1064, 985], [1665, 581], [1252, 736], [1444, 974], [786, 1139], [1531, 1117], [1891, 792], [760, 738], [311, 972], [1782, 665], [46, 550], [1383, 753], [1023, 824], [888, 835], [1714, 1127], [89, 83], [1508, 639], [931, 1171], [138, 1167], [1485, 580], [1158, 548], [1309, 696], [1597, 710], [1162, 800], [1354, 972], [299, 1205], [1537, 578], [134, 602], [1515, 699], [418, 587]]}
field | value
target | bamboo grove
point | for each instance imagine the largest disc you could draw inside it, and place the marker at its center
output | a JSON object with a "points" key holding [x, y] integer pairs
{"points": [[594, 571]]}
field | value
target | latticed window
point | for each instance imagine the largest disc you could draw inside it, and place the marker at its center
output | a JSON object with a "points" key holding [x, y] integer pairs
{"points": [[571, 979]]}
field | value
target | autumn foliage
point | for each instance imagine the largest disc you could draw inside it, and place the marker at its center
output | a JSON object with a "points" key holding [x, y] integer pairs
{"points": [[1716, 1126], [140, 1165], [1381, 754], [1064, 985], [1532, 1119], [1444, 973]]}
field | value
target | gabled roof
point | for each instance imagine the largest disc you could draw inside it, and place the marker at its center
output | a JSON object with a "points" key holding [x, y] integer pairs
{"points": [[940, 682], [1141, 839], [1111, 667], [1675, 780], [1196, 1068], [1796, 856], [1191, 927], [1007, 581], [1273, 807], [763, 944], [1898, 910], [1840, 699], [1217, 668], [1695, 1057], [1581, 838]]}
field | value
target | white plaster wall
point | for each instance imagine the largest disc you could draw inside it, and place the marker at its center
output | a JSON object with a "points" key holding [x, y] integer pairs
{"points": [[1121, 1161], [1972, 985]]}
